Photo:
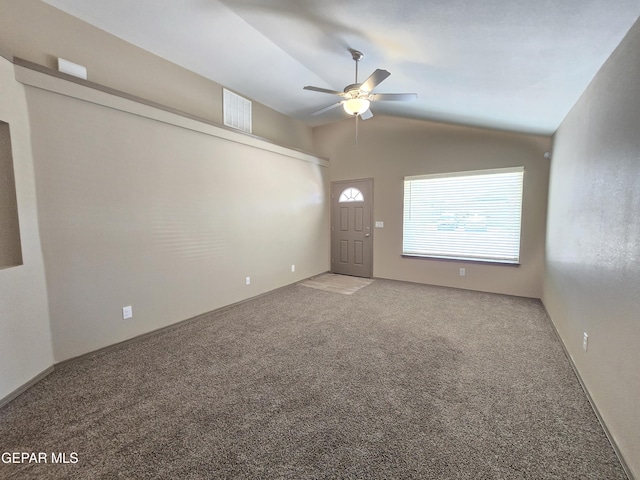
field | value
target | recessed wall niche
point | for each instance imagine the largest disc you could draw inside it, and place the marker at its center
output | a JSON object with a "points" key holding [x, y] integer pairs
{"points": [[10, 248]]}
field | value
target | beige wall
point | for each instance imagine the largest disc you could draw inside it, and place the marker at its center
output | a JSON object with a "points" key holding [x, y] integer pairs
{"points": [[25, 336], [144, 208], [391, 148], [592, 282], [35, 31]]}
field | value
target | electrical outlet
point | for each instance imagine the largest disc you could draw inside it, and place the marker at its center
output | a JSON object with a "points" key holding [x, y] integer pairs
{"points": [[293, 268], [247, 281], [463, 272], [127, 312], [585, 341]]}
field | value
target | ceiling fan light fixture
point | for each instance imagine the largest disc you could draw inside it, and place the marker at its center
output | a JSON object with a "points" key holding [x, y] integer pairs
{"points": [[356, 106]]}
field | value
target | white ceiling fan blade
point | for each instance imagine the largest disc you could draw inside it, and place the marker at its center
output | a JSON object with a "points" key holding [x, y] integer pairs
{"points": [[323, 90], [322, 110], [366, 115], [394, 97], [375, 79]]}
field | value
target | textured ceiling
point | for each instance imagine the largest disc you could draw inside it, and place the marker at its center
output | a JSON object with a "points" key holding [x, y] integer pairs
{"points": [[509, 64]]}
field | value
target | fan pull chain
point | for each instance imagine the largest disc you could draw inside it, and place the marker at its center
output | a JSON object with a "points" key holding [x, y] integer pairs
{"points": [[357, 130]]}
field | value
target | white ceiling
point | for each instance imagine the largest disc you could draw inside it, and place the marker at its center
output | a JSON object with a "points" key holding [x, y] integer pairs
{"points": [[509, 64]]}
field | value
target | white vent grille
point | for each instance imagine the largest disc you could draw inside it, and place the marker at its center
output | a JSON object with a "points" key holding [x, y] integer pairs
{"points": [[236, 111]]}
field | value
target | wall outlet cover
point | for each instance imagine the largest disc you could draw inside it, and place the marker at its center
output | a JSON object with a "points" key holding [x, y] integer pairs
{"points": [[127, 312]]}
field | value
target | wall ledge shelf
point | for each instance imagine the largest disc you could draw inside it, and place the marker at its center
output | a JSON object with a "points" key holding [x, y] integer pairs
{"points": [[35, 75]]}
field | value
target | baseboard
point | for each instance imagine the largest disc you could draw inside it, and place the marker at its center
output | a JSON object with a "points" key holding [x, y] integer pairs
{"points": [[20, 390], [23, 388], [613, 443], [173, 326]]}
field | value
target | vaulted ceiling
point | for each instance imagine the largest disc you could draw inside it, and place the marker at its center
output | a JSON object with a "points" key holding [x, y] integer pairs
{"points": [[509, 64]]}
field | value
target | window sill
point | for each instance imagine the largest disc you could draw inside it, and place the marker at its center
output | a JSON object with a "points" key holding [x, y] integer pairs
{"points": [[505, 263]]}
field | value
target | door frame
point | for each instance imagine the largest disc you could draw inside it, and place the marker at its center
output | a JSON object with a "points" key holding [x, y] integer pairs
{"points": [[333, 216]]}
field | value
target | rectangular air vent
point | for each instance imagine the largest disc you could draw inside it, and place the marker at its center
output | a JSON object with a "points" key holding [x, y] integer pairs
{"points": [[236, 111], [70, 68]]}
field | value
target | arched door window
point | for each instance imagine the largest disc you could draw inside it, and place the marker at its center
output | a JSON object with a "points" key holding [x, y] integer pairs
{"points": [[351, 195]]}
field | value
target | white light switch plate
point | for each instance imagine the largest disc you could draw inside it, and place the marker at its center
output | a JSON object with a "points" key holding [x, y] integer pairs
{"points": [[127, 312], [379, 224]]}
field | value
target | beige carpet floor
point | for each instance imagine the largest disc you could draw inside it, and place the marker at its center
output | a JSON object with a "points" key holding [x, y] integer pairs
{"points": [[395, 381]]}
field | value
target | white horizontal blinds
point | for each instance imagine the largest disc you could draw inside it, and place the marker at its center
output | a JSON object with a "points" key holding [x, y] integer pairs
{"points": [[466, 215]]}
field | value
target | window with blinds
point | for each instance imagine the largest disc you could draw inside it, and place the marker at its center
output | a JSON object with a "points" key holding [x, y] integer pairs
{"points": [[464, 215]]}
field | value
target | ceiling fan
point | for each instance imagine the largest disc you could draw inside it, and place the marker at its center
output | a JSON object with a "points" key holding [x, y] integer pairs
{"points": [[357, 97]]}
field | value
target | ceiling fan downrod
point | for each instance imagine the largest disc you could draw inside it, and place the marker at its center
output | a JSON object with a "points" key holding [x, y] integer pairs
{"points": [[357, 56]]}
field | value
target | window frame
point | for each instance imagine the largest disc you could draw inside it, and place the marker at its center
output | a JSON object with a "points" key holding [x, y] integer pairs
{"points": [[511, 257]]}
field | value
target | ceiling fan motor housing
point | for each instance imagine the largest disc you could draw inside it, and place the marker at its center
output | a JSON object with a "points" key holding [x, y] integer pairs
{"points": [[356, 54], [355, 90]]}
